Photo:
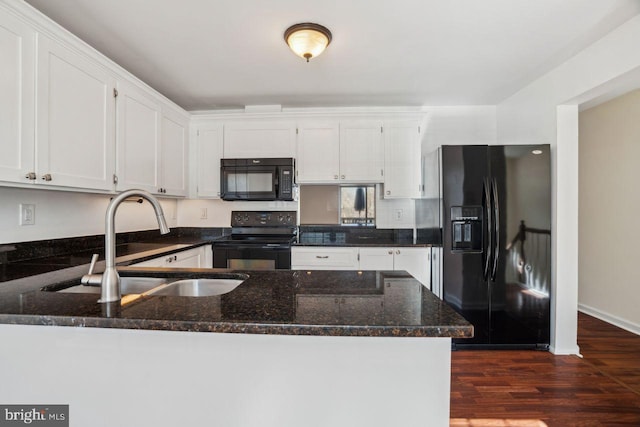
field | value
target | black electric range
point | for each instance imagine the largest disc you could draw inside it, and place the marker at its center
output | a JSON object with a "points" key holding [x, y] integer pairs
{"points": [[259, 240]]}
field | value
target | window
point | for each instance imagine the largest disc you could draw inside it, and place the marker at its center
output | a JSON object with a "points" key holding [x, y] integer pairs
{"points": [[358, 206]]}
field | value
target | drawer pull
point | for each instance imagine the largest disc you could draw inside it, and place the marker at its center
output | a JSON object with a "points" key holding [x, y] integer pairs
{"points": [[322, 256]]}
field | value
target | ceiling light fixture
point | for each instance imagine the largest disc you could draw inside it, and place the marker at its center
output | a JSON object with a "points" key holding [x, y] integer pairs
{"points": [[307, 40]]}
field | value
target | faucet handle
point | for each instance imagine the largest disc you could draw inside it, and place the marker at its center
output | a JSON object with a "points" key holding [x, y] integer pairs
{"points": [[90, 278], [92, 266]]}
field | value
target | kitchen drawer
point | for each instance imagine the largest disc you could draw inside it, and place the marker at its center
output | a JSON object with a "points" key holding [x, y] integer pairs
{"points": [[317, 258]]}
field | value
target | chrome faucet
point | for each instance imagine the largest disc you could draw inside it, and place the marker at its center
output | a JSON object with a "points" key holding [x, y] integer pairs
{"points": [[110, 280]]}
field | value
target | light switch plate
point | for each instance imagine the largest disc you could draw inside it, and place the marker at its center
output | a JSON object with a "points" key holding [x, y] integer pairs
{"points": [[27, 214]]}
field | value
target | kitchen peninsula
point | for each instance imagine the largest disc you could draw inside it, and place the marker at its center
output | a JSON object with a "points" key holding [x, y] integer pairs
{"points": [[283, 348]]}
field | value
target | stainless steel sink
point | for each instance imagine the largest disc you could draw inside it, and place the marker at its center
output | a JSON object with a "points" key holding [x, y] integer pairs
{"points": [[167, 286], [128, 285], [197, 287]]}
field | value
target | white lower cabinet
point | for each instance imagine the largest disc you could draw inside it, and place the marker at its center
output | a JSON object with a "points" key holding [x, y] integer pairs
{"points": [[414, 260], [322, 258], [192, 258]]}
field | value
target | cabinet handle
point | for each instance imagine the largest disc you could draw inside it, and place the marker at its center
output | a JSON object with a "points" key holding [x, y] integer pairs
{"points": [[381, 172], [322, 256], [342, 177], [46, 177], [398, 252], [31, 176], [388, 192], [335, 176], [390, 252]]}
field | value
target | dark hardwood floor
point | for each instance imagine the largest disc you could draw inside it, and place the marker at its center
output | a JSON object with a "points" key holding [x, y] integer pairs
{"points": [[531, 388]]}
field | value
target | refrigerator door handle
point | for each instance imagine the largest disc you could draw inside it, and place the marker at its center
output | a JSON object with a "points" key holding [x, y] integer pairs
{"points": [[496, 216], [487, 206]]}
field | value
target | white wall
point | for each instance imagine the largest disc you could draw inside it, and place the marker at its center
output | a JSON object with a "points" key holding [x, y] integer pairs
{"points": [[219, 211], [62, 214], [533, 116], [460, 125], [609, 202]]}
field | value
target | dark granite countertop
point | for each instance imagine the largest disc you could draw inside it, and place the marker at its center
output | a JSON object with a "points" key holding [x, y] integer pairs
{"points": [[20, 260], [345, 303]]}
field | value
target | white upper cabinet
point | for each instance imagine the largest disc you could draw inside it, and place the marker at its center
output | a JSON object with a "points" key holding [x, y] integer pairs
{"points": [[349, 151], [152, 143], [318, 158], [209, 143], [255, 139], [402, 160], [173, 153], [361, 151], [138, 139], [75, 141], [17, 107]]}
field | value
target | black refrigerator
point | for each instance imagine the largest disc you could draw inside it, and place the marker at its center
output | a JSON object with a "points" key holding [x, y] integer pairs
{"points": [[497, 242]]}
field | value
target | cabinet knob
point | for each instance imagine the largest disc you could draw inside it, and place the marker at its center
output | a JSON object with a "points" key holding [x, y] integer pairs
{"points": [[390, 252], [398, 252], [46, 177], [342, 177], [31, 176], [335, 176], [388, 192]]}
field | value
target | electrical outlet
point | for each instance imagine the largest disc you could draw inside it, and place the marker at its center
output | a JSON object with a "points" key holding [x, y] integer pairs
{"points": [[27, 214], [203, 213]]}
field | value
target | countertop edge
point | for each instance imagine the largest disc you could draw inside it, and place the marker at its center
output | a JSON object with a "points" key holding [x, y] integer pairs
{"points": [[241, 328]]}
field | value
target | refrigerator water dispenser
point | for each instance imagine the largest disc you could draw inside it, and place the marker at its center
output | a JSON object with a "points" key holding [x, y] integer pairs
{"points": [[466, 228]]}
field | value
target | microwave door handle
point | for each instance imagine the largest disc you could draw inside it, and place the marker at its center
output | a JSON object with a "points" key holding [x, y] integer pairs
{"points": [[489, 246]]}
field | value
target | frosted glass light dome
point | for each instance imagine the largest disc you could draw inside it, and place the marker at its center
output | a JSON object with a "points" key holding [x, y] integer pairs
{"points": [[307, 40]]}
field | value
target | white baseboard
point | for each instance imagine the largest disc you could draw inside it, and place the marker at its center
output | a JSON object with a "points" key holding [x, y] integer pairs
{"points": [[564, 351], [610, 318]]}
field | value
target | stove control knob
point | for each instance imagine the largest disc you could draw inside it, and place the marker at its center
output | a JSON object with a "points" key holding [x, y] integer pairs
{"points": [[289, 219]]}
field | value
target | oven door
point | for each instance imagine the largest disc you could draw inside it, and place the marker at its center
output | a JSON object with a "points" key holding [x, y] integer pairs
{"points": [[252, 257], [248, 182]]}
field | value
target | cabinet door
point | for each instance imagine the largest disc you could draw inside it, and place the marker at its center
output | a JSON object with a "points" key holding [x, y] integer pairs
{"points": [[436, 269], [17, 50], [260, 139], [361, 151], [376, 258], [402, 161], [209, 140], [415, 261], [173, 154], [138, 139], [75, 143], [193, 258], [318, 157]]}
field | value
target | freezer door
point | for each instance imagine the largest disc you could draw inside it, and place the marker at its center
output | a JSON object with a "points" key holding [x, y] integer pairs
{"points": [[464, 171], [520, 277]]}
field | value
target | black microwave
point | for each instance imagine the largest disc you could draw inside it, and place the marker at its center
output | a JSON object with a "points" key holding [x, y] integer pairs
{"points": [[256, 179]]}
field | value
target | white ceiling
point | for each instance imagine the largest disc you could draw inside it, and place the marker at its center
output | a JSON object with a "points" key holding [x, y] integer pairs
{"points": [[222, 54]]}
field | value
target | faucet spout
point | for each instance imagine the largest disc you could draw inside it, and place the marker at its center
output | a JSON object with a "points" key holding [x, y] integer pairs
{"points": [[110, 283]]}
